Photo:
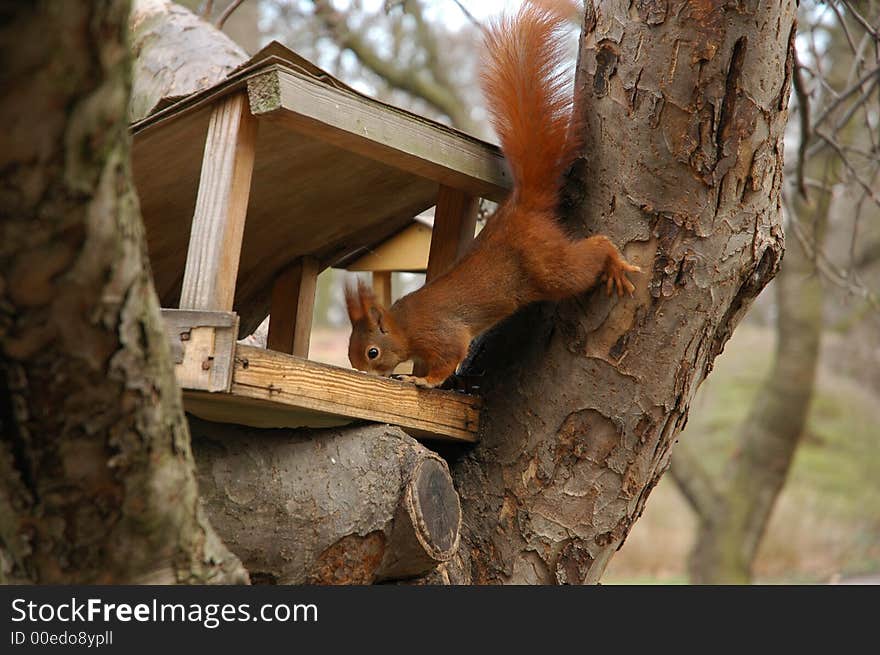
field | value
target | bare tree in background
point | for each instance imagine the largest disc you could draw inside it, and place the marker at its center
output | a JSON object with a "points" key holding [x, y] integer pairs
{"points": [[834, 173], [239, 19], [838, 119]]}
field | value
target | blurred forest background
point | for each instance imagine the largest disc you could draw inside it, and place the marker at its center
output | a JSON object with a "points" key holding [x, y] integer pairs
{"points": [[793, 400]]}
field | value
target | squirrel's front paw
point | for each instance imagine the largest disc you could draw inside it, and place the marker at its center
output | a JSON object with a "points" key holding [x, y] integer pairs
{"points": [[414, 379], [616, 277]]}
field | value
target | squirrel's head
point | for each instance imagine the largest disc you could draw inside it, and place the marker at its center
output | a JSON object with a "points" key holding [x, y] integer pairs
{"points": [[376, 344]]}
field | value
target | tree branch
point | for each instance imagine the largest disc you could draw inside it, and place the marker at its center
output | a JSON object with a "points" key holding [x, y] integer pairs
{"points": [[235, 4], [855, 174], [843, 26], [861, 20], [469, 16], [824, 266], [855, 86], [868, 258], [694, 482], [433, 88], [804, 116]]}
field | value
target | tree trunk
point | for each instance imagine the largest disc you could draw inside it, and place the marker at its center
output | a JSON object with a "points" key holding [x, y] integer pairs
{"points": [[97, 479], [684, 105], [341, 506], [176, 53]]}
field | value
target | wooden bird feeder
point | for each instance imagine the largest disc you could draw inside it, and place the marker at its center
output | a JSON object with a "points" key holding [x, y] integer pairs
{"points": [[253, 186]]}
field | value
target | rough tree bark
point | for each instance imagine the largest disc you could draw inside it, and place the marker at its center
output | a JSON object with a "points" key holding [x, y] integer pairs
{"points": [[684, 105], [341, 506], [97, 479]]}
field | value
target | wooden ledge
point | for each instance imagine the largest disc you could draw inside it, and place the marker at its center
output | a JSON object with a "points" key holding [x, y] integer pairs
{"points": [[271, 389]]}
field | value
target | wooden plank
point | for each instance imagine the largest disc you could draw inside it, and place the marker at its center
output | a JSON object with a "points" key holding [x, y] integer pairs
{"points": [[218, 223], [383, 133], [203, 347], [292, 308], [382, 287], [187, 318], [300, 384], [178, 323], [228, 408], [406, 251], [455, 219]]}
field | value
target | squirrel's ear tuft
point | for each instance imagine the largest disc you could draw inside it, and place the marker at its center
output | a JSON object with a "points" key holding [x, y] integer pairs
{"points": [[362, 306], [367, 301], [371, 310], [353, 304], [377, 318]]}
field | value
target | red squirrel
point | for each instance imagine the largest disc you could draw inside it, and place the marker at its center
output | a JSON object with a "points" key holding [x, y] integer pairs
{"points": [[522, 255]]}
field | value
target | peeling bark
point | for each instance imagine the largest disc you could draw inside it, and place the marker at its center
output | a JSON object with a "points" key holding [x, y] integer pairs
{"points": [[350, 506], [97, 479], [684, 105]]}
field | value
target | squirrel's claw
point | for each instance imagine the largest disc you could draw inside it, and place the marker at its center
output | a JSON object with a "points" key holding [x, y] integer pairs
{"points": [[414, 379], [616, 279]]}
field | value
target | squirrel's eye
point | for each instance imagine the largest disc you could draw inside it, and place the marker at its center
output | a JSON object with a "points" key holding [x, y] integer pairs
{"points": [[373, 353]]}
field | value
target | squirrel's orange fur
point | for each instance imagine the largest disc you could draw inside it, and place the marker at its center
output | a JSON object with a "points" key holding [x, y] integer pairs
{"points": [[522, 255]]}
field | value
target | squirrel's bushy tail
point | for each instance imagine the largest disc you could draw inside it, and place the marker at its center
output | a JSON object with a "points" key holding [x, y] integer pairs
{"points": [[530, 99]]}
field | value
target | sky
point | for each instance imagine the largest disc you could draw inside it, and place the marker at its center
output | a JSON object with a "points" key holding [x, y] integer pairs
{"points": [[448, 12], [480, 9]]}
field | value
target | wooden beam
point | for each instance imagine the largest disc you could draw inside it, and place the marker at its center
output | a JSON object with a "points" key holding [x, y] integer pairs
{"points": [[382, 287], [455, 219], [292, 308], [406, 251], [380, 132], [218, 222], [203, 347], [271, 389]]}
